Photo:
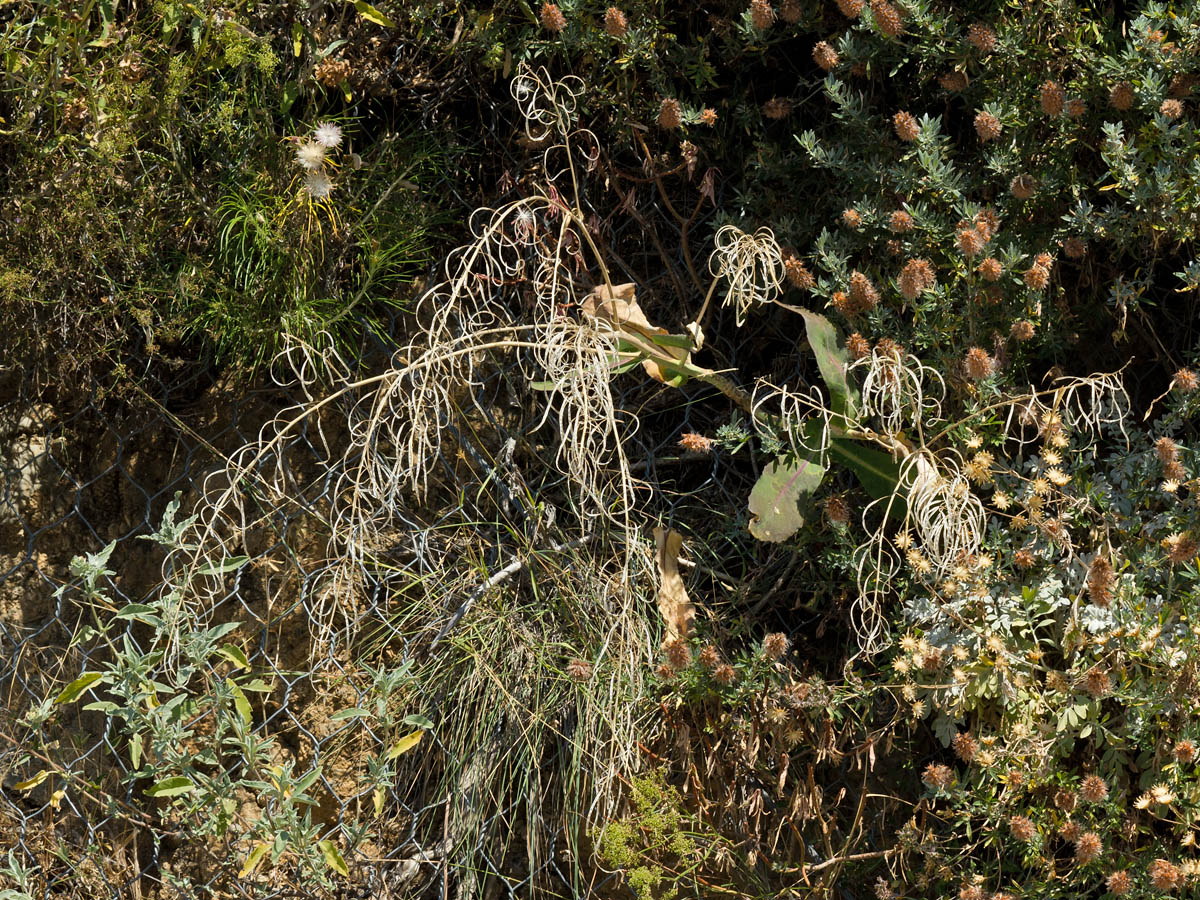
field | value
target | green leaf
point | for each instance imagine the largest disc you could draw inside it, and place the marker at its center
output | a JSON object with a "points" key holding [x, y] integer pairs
{"points": [[134, 611], [255, 857], [353, 713], [775, 498], [297, 38], [291, 91], [171, 787], [234, 655], [240, 703], [135, 750], [371, 14], [831, 360], [333, 858], [258, 686], [225, 565], [78, 686], [878, 472], [405, 744], [418, 721]]}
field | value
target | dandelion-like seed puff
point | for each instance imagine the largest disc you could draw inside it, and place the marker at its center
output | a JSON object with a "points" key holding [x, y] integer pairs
{"points": [[752, 264]]}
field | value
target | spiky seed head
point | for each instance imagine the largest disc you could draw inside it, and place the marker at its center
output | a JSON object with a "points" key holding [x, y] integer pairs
{"points": [[1074, 248], [901, 222], [724, 674], [1118, 883], [615, 23], [1022, 828], [318, 185], [695, 443], [1053, 98], [965, 746], [937, 776], [825, 56], [1037, 277], [862, 293], [981, 37], [679, 654], [790, 11], [1023, 186], [1021, 330], [670, 114], [761, 14], [851, 9], [579, 670], [887, 18], [1185, 751], [987, 126], [1093, 789], [954, 81], [552, 18], [708, 116], [1121, 96], [1185, 381], [777, 108], [857, 346], [1170, 108], [851, 218], [328, 135], [310, 155], [775, 645], [906, 126], [798, 274]]}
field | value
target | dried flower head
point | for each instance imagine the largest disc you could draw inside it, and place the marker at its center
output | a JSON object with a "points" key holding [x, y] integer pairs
{"points": [[1024, 558], [857, 346], [1093, 789], [850, 8], [579, 670], [331, 72], [1074, 248], [1118, 883], [552, 18], [775, 645], [1170, 108], [1121, 96], [708, 116], [670, 114], [981, 37], [1037, 277], [695, 443], [954, 81], [1023, 186], [709, 657], [990, 269], [1076, 108], [987, 126], [887, 18], [724, 674], [862, 293], [1053, 98], [1021, 330], [1097, 683], [825, 56], [965, 746], [679, 654], [1185, 751], [777, 108], [906, 126], [798, 274], [916, 277], [970, 241], [1100, 581], [762, 16], [901, 222], [1180, 547], [837, 510], [977, 364], [1185, 381], [791, 11], [1022, 828], [851, 218], [1166, 449], [1164, 875], [937, 776], [1065, 800], [615, 23]]}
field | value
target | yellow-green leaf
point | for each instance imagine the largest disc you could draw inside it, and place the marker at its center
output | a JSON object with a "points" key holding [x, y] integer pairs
{"points": [[78, 686], [234, 655], [405, 744], [333, 858], [240, 703], [171, 787], [371, 14], [297, 38], [255, 857], [33, 782]]}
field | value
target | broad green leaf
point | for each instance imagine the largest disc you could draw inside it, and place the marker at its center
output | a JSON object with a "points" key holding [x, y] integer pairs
{"points": [[234, 655], [405, 744], [254, 858], [171, 787], [878, 472], [135, 750], [371, 14], [134, 611], [353, 713], [775, 498], [224, 566], [831, 360], [78, 686], [418, 721], [240, 703], [258, 686], [333, 858], [291, 91], [297, 38]]}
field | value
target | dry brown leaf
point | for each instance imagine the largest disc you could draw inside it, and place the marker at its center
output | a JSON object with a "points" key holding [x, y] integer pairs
{"points": [[619, 307], [677, 610]]}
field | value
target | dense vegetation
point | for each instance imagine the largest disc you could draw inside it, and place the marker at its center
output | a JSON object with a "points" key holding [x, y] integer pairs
{"points": [[761, 438]]}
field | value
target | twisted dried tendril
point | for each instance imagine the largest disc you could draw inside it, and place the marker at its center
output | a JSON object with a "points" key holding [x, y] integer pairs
{"points": [[752, 264]]}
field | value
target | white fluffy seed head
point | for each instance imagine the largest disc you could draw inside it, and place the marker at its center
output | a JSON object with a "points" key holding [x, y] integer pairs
{"points": [[318, 185], [328, 135], [310, 155]]}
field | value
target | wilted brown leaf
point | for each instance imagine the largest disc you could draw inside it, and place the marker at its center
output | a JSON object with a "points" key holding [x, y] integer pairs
{"points": [[677, 610]]}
